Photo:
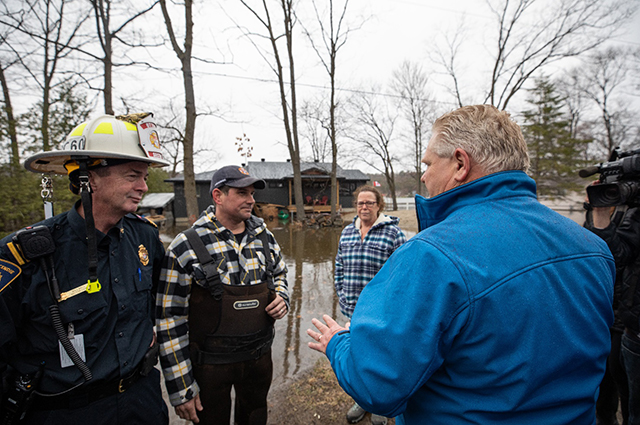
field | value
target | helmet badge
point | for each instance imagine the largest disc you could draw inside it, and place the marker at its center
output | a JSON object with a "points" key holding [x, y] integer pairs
{"points": [[149, 140]]}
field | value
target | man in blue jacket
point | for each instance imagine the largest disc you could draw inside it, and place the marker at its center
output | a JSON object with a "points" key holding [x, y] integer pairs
{"points": [[498, 311]]}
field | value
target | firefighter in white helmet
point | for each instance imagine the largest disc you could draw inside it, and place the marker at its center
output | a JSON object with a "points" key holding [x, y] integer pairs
{"points": [[77, 344]]}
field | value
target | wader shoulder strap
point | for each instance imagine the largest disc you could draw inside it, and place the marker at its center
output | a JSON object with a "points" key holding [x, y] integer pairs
{"points": [[270, 266], [211, 274]]}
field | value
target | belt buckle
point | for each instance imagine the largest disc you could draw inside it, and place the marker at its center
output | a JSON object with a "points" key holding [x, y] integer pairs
{"points": [[121, 388]]}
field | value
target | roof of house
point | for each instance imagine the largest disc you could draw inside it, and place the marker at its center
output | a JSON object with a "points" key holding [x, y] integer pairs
{"points": [[156, 200], [268, 170]]}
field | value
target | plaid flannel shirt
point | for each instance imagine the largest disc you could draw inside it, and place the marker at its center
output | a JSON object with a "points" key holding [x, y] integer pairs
{"points": [[358, 261], [245, 265]]}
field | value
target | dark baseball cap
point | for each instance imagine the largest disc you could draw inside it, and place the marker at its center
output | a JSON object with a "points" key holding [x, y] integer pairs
{"points": [[234, 176]]}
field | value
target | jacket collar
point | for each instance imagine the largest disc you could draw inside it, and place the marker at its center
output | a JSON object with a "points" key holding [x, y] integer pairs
{"points": [[431, 211]]}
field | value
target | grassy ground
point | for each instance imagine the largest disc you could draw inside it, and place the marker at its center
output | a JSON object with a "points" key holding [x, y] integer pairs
{"points": [[313, 399]]}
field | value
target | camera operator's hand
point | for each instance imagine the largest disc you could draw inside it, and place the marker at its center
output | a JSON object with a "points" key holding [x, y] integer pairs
{"points": [[601, 215]]}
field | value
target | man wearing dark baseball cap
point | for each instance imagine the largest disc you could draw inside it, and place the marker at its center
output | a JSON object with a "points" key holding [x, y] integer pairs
{"points": [[222, 286], [234, 176]]}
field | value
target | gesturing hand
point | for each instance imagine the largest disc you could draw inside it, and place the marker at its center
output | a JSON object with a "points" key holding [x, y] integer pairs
{"points": [[326, 332]]}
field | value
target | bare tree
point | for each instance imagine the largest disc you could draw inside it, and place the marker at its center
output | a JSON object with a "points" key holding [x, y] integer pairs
{"points": [[562, 29], [185, 55], [568, 87], [332, 36], [52, 31], [315, 129], [171, 125], [448, 59], [9, 129], [372, 129], [103, 13], [531, 34], [288, 101], [410, 84], [602, 80]]}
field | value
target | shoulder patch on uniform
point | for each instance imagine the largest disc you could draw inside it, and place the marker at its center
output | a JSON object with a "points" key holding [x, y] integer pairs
{"points": [[8, 273], [141, 218]]}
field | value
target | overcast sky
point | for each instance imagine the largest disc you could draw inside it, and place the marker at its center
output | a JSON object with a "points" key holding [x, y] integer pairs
{"points": [[245, 91], [395, 30]]}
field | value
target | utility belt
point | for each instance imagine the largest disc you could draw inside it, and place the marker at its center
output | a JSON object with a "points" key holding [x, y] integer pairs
{"points": [[85, 395]]}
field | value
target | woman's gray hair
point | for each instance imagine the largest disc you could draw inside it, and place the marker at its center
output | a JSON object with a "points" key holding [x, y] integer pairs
{"points": [[490, 137]]}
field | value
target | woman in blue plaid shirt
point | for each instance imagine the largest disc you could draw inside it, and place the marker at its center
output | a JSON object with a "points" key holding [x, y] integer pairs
{"points": [[365, 245]]}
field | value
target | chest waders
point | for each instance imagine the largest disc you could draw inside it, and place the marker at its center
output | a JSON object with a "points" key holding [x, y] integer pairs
{"points": [[228, 323]]}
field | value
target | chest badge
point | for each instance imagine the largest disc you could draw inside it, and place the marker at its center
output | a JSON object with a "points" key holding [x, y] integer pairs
{"points": [[143, 254]]}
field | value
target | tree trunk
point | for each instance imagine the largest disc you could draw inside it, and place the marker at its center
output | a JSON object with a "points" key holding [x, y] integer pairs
{"points": [[391, 182], [190, 109], [334, 145], [11, 121], [46, 95], [190, 103], [295, 160], [108, 78]]}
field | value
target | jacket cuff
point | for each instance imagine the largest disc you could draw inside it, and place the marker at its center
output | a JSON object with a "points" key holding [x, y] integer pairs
{"points": [[334, 341], [184, 395]]}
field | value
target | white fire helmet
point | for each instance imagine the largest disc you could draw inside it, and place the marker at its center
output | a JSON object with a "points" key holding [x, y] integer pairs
{"points": [[130, 137]]}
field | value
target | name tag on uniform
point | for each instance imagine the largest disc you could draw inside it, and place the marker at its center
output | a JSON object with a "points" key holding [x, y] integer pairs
{"points": [[246, 304], [78, 343]]}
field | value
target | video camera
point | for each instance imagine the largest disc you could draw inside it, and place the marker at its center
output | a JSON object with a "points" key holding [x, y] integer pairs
{"points": [[619, 182]]}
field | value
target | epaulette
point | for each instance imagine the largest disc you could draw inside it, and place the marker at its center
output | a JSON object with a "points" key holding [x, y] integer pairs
{"points": [[142, 218], [16, 251], [8, 273]]}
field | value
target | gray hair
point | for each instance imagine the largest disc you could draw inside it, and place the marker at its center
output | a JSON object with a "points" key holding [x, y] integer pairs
{"points": [[488, 135]]}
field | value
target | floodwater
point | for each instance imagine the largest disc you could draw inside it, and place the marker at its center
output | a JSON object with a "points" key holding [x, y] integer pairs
{"points": [[309, 255]]}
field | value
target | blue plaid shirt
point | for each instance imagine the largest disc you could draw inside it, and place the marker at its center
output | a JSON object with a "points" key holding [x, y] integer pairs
{"points": [[358, 261]]}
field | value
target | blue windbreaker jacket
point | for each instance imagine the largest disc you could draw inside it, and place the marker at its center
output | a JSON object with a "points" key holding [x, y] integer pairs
{"points": [[497, 312]]}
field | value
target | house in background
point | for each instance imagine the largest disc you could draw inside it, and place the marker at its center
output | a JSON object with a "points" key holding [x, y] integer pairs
{"points": [[316, 186], [158, 207]]}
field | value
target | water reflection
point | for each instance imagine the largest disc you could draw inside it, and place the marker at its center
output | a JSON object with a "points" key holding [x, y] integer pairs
{"points": [[309, 255]]}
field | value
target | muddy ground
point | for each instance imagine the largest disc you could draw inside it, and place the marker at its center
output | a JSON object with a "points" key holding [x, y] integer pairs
{"points": [[314, 399]]}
